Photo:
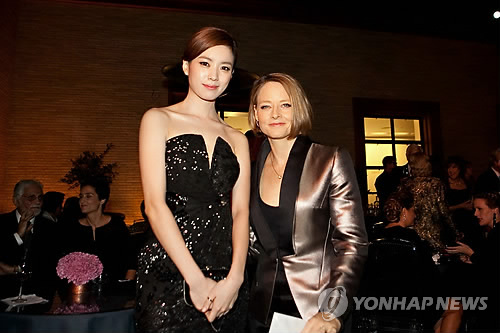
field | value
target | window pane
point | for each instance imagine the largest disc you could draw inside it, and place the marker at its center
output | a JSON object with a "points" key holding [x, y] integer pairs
{"points": [[237, 120], [401, 154], [372, 198], [407, 129], [375, 152], [371, 176], [377, 129]]}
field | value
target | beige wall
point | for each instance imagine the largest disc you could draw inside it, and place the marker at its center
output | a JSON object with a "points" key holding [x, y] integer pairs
{"points": [[8, 26], [84, 74]]}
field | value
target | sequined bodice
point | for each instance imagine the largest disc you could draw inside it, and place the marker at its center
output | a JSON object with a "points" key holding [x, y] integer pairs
{"points": [[189, 172], [198, 194]]}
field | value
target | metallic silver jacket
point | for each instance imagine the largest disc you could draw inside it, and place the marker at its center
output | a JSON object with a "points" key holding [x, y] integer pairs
{"points": [[329, 237]]}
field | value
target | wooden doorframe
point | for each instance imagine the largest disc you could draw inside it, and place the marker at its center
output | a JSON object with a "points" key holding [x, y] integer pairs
{"points": [[428, 112]]}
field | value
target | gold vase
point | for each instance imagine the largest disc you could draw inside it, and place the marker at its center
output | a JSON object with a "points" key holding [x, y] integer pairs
{"points": [[78, 294]]}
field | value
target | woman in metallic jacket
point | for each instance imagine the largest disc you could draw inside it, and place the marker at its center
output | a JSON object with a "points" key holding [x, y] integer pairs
{"points": [[305, 210]]}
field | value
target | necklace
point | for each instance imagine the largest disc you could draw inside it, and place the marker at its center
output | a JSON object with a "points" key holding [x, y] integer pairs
{"points": [[272, 165], [455, 181]]}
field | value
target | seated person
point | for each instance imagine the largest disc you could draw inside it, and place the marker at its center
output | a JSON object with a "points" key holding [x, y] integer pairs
{"points": [[71, 210], [485, 259], [400, 212], [105, 235], [26, 236], [52, 205]]}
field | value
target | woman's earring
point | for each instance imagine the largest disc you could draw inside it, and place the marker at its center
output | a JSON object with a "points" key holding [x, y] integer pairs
{"points": [[257, 122]]}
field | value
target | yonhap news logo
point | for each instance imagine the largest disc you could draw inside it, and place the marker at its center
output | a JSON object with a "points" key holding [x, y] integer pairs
{"points": [[333, 302], [420, 303]]}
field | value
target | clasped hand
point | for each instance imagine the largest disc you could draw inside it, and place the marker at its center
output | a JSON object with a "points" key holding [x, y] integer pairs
{"points": [[215, 299]]}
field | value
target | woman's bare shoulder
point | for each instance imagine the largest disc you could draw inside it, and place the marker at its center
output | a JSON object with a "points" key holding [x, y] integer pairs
{"points": [[237, 139], [160, 116]]}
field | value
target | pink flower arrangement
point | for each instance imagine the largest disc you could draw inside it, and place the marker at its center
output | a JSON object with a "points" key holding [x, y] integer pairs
{"points": [[79, 267]]}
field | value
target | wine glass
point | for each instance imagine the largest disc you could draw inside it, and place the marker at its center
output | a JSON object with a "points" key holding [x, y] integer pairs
{"points": [[23, 274]]}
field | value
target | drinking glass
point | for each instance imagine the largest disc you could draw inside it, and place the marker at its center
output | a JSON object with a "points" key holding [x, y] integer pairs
{"points": [[24, 274]]}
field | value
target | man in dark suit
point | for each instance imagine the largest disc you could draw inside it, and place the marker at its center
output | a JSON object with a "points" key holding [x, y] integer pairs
{"points": [[489, 180], [27, 237], [388, 181]]}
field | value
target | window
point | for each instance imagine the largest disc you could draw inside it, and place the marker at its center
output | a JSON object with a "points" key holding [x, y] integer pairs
{"points": [[387, 127], [237, 120], [387, 137]]}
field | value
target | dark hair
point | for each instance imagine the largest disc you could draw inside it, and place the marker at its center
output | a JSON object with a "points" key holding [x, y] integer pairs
{"points": [[388, 159], [492, 199], [206, 38], [52, 200], [71, 210], [402, 198], [100, 186], [459, 162]]}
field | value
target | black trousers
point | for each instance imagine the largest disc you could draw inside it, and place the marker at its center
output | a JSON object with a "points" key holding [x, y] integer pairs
{"points": [[282, 302]]}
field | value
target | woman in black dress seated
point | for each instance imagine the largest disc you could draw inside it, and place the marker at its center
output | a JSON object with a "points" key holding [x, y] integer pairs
{"points": [[105, 235], [400, 212], [459, 199]]}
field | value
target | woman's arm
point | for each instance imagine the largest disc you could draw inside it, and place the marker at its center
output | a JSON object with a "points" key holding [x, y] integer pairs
{"points": [[226, 292], [464, 205], [152, 138], [460, 248], [349, 236], [8, 269], [240, 211]]}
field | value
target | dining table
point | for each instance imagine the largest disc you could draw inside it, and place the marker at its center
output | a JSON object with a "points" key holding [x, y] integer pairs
{"points": [[98, 308]]}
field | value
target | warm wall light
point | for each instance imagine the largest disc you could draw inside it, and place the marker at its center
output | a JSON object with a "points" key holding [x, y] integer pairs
{"points": [[496, 14]]}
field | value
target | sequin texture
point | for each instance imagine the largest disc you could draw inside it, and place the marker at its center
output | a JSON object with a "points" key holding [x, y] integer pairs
{"points": [[198, 194]]}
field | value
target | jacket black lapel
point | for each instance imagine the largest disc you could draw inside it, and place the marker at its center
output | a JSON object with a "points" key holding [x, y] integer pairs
{"points": [[257, 220], [288, 193]]}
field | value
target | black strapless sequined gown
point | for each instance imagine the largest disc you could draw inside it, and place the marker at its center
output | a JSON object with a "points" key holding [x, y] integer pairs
{"points": [[199, 198]]}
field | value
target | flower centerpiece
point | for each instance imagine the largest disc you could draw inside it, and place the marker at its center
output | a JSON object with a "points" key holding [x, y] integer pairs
{"points": [[77, 308], [79, 268]]}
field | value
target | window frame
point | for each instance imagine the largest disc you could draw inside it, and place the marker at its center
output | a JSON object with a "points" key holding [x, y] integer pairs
{"points": [[427, 112]]}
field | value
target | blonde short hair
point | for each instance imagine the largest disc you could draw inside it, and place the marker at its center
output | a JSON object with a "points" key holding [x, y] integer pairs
{"points": [[302, 115], [420, 165]]}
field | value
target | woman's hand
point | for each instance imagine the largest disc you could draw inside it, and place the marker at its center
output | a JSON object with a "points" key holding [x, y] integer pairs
{"points": [[199, 294], [319, 325], [223, 297], [461, 248], [465, 259]]}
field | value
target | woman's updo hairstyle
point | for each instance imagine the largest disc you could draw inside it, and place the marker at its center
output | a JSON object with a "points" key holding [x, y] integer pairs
{"points": [[206, 38]]}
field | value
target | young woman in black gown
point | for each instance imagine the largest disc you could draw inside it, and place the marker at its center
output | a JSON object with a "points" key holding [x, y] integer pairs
{"points": [[195, 173]]}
